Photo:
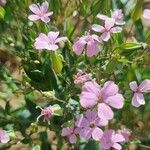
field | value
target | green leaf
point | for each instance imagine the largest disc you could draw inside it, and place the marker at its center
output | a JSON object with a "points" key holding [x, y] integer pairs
{"points": [[137, 11], [132, 46], [92, 145], [58, 111], [111, 65], [57, 62], [2, 12]]}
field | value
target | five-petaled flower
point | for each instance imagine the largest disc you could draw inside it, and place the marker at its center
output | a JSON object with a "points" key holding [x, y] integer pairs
{"points": [[138, 98], [110, 139], [4, 137], [40, 12], [90, 44], [93, 95], [89, 125], [49, 41], [70, 133], [46, 113], [107, 29]]}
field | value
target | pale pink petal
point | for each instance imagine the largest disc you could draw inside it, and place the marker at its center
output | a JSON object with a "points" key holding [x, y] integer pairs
{"points": [[4, 137], [97, 134], [133, 86], [52, 47], [98, 28], [44, 7], [101, 16], [146, 14], [105, 36], [144, 86], [45, 19], [117, 14], [81, 122], [92, 49], [138, 99], [41, 45], [33, 17], [101, 122], [34, 8], [109, 23], [105, 141], [48, 14], [116, 29], [115, 101], [120, 22], [53, 36], [79, 46], [91, 115], [72, 138], [88, 99], [61, 39], [109, 89], [86, 133], [105, 112], [118, 138], [92, 87], [117, 146], [97, 38], [66, 131]]}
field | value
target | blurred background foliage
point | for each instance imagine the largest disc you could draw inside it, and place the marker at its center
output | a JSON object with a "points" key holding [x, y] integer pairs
{"points": [[27, 76]]}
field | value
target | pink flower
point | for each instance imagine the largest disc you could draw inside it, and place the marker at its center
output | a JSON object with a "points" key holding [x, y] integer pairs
{"points": [[46, 113], [49, 41], [89, 125], [110, 139], [117, 15], [146, 14], [89, 43], [70, 133], [4, 137], [81, 77], [107, 29], [40, 12], [138, 98], [125, 133], [3, 2], [93, 95]]}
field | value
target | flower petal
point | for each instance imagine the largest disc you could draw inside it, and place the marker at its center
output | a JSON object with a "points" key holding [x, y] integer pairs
{"points": [[4, 137], [86, 133], [133, 86], [44, 7], [82, 122], [118, 138], [33, 17], [98, 28], [109, 89], [145, 86], [91, 115], [45, 19], [78, 46], [92, 49], [34, 8], [146, 14], [105, 36], [117, 146], [115, 101], [105, 112], [116, 29], [72, 138], [109, 23], [138, 99], [66, 131], [97, 134], [102, 17]]}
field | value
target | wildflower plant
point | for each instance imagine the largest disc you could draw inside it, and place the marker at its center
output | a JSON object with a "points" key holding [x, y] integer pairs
{"points": [[83, 74]]}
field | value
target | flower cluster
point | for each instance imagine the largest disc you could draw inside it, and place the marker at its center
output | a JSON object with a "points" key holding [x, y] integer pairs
{"points": [[97, 100], [91, 43]]}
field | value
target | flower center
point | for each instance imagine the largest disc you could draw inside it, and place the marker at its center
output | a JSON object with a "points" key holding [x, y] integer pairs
{"points": [[100, 100], [92, 125]]}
